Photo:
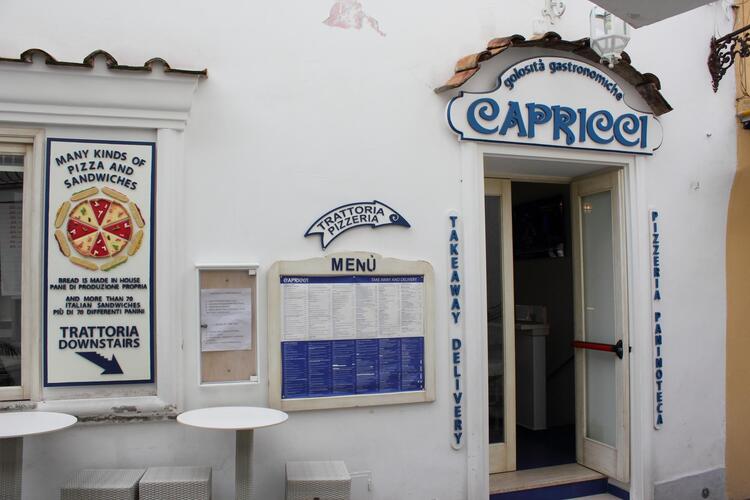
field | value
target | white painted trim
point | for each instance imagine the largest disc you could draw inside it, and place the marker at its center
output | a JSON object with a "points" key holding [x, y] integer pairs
{"points": [[475, 310], [112, 409], [503, 455], [38, 93], [634, 192], [171, 282], [639, 321]]}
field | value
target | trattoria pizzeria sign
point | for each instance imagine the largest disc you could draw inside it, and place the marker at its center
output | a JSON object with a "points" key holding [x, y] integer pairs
{"points": [[555, 101], [98, 324]]}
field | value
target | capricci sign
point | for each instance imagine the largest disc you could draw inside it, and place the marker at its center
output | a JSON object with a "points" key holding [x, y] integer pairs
{"points": [[488, 117]]}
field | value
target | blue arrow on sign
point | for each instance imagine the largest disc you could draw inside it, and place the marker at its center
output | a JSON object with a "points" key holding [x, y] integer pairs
{"points": [[110, 366]]}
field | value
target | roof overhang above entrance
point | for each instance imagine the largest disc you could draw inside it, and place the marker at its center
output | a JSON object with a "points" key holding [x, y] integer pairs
{"points": [[646, 84], [640, 13]]}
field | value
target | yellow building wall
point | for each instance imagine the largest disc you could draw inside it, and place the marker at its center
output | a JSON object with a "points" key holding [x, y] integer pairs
{"points": [[738, 296]]}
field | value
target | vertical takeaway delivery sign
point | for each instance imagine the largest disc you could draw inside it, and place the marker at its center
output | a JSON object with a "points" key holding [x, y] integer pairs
{"points": [[99, 262]]}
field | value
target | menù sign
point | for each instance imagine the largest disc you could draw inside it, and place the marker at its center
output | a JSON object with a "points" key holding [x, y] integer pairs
{"points": [[555, 101]]}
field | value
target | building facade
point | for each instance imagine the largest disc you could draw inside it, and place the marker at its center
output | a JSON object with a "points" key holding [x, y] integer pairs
{"points": [[317, 117]]}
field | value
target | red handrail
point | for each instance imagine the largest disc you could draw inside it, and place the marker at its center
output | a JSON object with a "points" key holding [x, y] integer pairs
{"points": [[596, 346]]}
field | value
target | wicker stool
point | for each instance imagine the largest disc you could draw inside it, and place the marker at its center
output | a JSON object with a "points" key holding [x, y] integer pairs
{"points": [[318, 480], [176, 483], [103, 484]]}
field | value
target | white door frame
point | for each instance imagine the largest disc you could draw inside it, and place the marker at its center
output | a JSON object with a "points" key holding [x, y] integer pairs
{"points": [[471, 160], [503, 455]]}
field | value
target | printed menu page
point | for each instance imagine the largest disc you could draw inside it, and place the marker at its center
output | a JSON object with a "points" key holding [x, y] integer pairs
{"points": [[346, 335]]}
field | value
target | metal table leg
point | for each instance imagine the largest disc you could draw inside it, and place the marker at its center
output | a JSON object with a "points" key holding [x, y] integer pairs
{"points": [[243, 463], [11, 466]]}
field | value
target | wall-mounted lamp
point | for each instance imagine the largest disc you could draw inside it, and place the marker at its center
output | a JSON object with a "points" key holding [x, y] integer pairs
{"points": [[723, 51], [609, 36]]}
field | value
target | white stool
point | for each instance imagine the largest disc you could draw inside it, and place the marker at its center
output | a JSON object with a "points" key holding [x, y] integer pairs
{"points": [[318, 481], [103, 484], [176, 483]]}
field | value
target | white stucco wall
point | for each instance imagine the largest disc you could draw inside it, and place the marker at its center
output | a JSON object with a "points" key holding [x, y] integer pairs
{"points": [[296, 118]]}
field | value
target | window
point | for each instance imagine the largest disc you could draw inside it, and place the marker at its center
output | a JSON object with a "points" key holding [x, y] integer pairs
{"points": [[15, 372]]}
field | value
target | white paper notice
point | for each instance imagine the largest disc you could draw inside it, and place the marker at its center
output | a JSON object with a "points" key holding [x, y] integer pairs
{"points": [[226, 315], [10, 248]]}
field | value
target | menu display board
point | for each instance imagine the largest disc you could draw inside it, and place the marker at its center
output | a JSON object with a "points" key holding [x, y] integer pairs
{"points": [[98, 321], [344, 335], [340, 338]]}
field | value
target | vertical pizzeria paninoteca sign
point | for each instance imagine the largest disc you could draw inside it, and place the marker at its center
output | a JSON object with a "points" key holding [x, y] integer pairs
{"points": [[99, 262], [555, 101]]}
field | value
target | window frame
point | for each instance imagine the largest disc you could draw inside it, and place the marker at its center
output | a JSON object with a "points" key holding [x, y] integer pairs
{"points": [[128, 104], [27, 141]]}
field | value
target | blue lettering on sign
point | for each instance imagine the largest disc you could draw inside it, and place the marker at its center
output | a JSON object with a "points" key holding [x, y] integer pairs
{"points": [[657, 317], [455, 281], [457, 394], [454, 287], [600, 126]]}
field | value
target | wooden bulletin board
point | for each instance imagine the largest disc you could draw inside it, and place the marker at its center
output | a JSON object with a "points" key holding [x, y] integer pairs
{"points": [[230, 366]]}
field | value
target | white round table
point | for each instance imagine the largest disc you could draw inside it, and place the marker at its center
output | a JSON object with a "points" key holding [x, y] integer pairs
{"points": [[243, 420], [13, 427]]}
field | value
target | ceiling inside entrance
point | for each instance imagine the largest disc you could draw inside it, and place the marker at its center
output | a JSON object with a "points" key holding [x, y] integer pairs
{"points": [[640, 13], [530, 169]]}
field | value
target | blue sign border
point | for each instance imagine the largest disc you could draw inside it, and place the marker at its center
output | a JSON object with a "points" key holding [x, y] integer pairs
{"points": [[152, 249]]}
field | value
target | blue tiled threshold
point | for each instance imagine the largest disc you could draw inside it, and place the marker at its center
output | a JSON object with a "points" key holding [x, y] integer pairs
{"points": [[557, 492]]}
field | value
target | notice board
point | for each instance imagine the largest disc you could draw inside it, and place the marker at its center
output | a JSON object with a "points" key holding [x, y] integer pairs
{"points": [[350, 329], [99, 297], [228, 331]]}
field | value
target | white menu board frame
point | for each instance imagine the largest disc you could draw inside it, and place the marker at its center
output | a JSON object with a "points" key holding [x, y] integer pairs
{"points": [[99, 296], [351, 267]]}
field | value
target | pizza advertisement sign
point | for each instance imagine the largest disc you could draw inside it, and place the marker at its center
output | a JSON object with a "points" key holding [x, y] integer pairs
{"points": [[98, 324]]}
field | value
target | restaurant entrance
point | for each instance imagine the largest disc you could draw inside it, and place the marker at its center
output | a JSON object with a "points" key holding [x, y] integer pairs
{"points": [[556, 309]]}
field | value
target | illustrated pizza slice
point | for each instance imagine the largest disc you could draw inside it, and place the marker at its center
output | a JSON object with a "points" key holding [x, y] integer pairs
{"points": [[116, 213], [123, 229], [83, 245], [77, 229], [99, 249], [84, 213], [114, 243], [100, 207]]}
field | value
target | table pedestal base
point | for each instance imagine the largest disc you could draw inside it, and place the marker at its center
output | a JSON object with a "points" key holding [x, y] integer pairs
{"points": [[243, 462], [11, 466]]}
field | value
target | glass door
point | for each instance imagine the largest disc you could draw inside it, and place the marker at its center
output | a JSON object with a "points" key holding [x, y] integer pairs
{"points": [[501, 370], [601, 334]]}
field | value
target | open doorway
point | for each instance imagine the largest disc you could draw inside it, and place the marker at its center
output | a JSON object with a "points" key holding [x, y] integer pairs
{"points": [[556, 308], [543, 296]]}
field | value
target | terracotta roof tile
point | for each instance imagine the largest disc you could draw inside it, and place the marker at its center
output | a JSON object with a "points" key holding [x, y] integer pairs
{"points": [[27, 57], [471, 61], [457, 80], [647, 84]]}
